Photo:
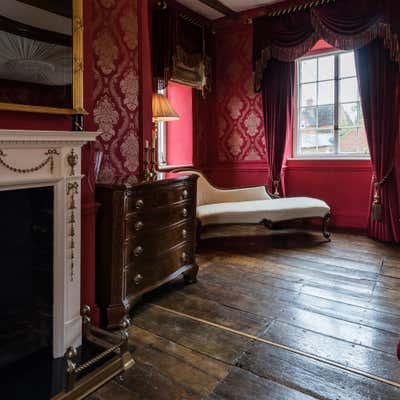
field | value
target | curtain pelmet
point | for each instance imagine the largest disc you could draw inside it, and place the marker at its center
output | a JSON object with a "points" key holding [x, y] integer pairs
{"points": [[345, 24]]}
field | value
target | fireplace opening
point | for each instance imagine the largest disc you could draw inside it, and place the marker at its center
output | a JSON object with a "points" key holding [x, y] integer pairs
{"points": [[26, 284]]}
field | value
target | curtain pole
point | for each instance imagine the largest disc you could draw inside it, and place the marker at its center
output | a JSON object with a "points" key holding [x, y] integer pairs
{"points": [[292, 9]]}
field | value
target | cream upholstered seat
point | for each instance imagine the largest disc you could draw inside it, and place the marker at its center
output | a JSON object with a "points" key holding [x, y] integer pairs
{"points": [[253, 205], [254, 212]]}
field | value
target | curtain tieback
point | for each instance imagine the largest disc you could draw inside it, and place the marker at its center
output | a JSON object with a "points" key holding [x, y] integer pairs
{"points": [[376, 210]]}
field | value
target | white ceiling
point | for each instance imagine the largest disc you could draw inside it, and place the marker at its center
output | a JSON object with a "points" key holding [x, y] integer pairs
{"points": [[235, 5]]}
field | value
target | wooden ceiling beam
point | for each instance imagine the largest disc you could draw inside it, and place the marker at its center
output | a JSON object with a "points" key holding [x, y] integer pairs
{"points": [[220, 7]]}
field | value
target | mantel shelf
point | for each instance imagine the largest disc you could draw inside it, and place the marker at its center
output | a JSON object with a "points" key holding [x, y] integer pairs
{"points": [[30, 136]]}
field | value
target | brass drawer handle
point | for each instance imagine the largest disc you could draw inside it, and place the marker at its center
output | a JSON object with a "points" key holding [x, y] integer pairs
{"points": [[139, 226], [184, 233], [184, 257], [185, 212], [138, 251], [185, 194], [138, 279], [139, 204]]}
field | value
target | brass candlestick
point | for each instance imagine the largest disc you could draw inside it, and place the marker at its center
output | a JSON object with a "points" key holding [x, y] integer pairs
{"points": [[153, 163], [146, 171]]}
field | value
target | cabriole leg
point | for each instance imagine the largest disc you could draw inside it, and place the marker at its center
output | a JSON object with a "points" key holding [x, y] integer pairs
{"points": [[327, 235]]}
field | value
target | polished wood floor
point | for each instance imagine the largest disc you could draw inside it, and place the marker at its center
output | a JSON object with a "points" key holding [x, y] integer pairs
{"points": [[335, 308]]}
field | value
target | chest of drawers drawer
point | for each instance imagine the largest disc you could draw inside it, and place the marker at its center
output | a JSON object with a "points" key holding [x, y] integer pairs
{"points": [[147, 245], [159, 217], [146, 199], [144, 274]]}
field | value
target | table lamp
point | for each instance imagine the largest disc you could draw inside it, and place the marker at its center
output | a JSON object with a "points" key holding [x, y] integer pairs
{"points": [[162, 112]]}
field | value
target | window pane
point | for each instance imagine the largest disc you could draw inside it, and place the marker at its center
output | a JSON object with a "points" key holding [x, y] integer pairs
{"points": [[349, 114], [326, 141], [348, 140], [308, 142], [308, 117], [326, 68], [326, 92], [362, 136], [348, 90], [308, 71], [353, 140], [308, 94], [317, 141], [326, 116], [347, 66]]}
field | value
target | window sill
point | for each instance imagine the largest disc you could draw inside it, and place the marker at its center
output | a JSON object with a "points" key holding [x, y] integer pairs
{"points": [[166, 168], [329, 159]]}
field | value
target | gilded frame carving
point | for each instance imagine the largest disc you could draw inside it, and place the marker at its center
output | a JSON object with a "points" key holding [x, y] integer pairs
{"points": [[78, 69]]}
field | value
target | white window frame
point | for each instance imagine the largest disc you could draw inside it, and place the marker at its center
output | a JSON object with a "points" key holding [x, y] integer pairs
{"points": [[296, 123]]}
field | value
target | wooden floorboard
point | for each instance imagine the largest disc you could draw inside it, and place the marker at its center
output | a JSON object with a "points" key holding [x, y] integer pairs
{"points": [[338, 301]]}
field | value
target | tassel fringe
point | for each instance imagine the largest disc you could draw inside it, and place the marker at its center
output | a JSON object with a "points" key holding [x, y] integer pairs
{"points": [[376, 212]]}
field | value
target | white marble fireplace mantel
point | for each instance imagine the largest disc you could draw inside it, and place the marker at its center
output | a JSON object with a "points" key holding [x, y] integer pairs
{"points": [[31, 159]]}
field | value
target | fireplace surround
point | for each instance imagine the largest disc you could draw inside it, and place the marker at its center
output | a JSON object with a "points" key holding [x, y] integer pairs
{"points": [[34, 159]]}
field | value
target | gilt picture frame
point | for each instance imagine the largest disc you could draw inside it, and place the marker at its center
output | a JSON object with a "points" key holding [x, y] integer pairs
{"points": [[77, 97]]}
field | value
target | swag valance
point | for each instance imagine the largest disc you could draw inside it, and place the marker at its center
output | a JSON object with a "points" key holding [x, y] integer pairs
{"points": [[179, 49], [345, 24]]}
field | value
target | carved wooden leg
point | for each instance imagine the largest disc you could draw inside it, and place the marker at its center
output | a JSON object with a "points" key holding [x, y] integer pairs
{"points": [[327, 235], [190, 276], [112, 316], [267, 224]]}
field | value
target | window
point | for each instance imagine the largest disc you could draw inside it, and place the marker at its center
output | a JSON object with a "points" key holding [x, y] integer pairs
{"points": [[175, 139], [329, 116]]}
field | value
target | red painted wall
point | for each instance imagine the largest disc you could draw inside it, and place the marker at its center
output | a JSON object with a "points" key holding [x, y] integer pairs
{"points": [[343, 184], [180, 133]]}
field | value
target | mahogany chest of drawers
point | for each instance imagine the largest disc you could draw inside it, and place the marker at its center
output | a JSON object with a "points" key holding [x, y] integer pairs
{"points": [[145, 237]]}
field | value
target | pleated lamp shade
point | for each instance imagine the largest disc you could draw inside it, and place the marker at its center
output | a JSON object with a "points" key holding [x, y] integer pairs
{"points": [[162, 109]]}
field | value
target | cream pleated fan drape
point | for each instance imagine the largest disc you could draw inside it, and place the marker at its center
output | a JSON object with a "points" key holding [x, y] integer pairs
{"points": [[27, 60]]}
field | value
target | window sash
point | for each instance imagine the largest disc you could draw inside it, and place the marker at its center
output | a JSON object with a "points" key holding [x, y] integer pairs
{"points": [[297, 138]]}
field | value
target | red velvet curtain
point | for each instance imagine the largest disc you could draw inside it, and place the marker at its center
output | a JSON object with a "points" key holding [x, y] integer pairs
{"points": [[345, 24], [379, 82], [278, 96]]}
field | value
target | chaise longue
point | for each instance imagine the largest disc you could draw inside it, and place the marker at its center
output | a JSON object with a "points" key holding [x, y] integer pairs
{"points": [[253, 205]]}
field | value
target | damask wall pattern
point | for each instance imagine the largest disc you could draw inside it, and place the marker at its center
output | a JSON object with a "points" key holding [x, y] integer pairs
{"points": [[116, 84], [239, 126]]}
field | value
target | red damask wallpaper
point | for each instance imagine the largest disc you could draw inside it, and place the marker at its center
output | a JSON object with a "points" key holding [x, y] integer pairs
{"points": [[239, 125], [116, 84]]}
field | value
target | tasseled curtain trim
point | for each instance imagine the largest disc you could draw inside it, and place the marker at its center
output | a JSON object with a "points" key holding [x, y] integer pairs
{"points": [[379, 29]]}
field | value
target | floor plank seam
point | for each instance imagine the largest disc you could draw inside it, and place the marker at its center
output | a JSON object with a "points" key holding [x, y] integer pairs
{"points": [[379, 273], [284, 382], [362, 307], [185, 346], [357, 324], [283, 347]]}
